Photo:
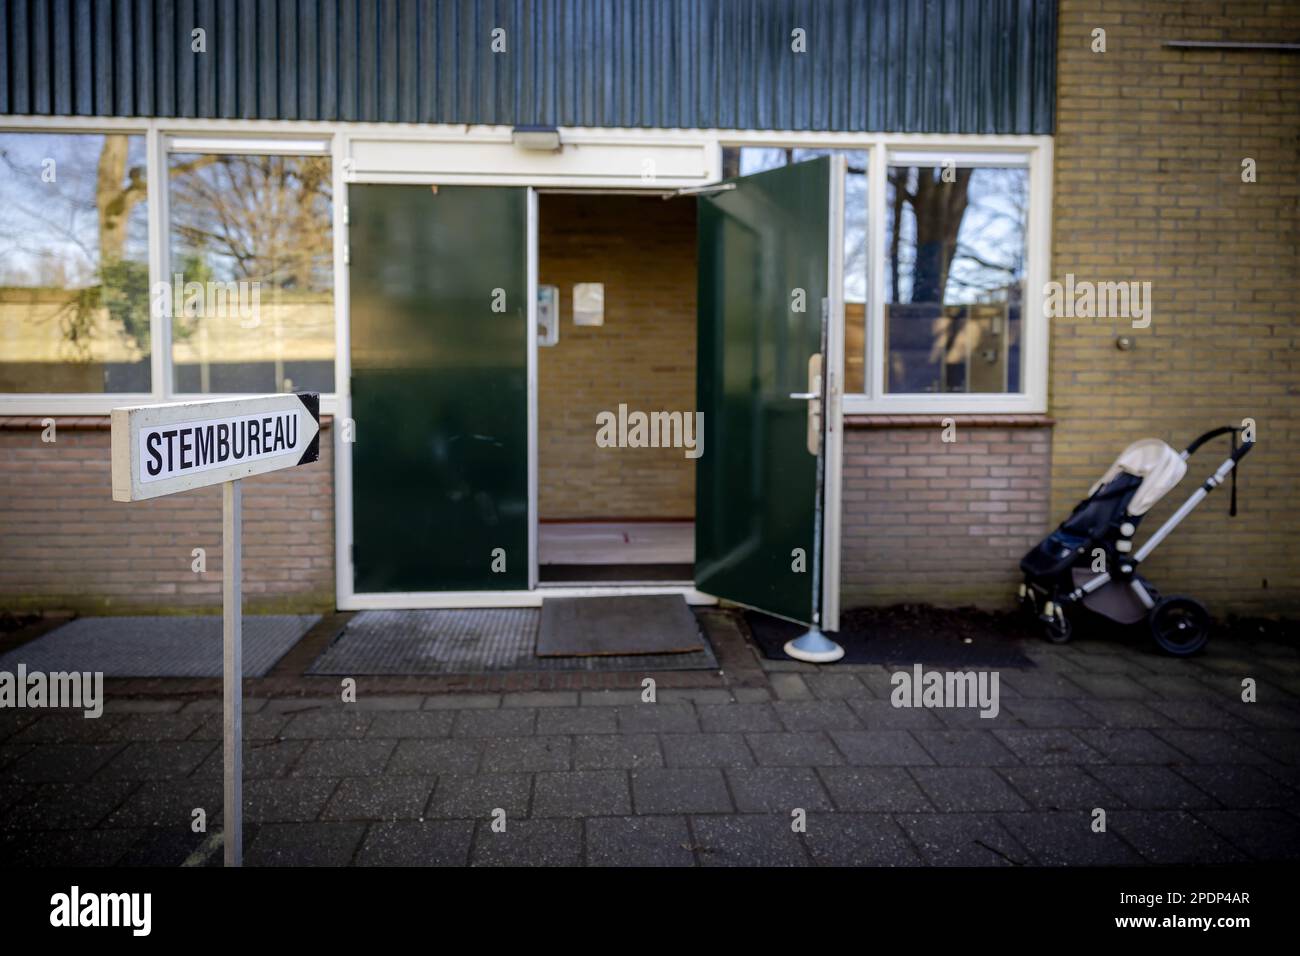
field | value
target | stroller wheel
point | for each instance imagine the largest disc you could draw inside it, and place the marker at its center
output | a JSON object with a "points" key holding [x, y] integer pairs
{"points": [[1180, 625], [1057, 628]]}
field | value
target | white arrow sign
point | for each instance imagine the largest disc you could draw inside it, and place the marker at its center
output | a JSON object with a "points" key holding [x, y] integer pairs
{"points": [[162, 449]]}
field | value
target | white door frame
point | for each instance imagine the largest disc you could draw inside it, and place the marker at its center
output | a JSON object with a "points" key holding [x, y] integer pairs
{"points": [[348, 599], [531, 241], [833, 425]]}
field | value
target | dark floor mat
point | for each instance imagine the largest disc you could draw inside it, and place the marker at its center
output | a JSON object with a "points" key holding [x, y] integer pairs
{"points": [[477, 641], [613, 626], [159, 646], [907, 634]]}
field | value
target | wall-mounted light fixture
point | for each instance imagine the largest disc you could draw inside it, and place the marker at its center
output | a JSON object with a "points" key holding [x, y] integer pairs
{"points": [[536, 137]]}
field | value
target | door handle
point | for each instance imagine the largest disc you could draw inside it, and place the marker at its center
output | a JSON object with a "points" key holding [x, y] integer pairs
{"points": [[814, 399]]}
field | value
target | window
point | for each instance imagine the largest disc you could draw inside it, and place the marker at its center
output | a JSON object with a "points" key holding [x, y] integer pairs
{"points": [[74, 263], [937, 261], [742, 161], [106, 290], [251, 251], [954, 271]]}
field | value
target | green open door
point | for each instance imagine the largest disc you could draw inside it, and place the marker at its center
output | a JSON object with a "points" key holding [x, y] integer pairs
{"points": [[439, 307], [769, 262]]}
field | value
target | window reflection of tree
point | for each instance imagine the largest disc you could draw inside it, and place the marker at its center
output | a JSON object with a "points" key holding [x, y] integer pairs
{"points": [[263, 221], [75, 227], [103, 274], [953, 245], [255, 218]]}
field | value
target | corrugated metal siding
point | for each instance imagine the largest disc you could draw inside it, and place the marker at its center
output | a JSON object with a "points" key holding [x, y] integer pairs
{"points": [[971, 66]]}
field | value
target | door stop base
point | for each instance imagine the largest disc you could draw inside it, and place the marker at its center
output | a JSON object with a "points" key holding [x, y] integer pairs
{"points": [[814, 647]]}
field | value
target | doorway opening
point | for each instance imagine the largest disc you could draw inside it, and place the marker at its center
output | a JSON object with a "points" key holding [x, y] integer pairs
{"points": [[617, 433]]}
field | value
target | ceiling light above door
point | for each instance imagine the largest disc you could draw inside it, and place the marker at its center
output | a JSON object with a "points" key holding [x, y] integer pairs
{"points": [[545, 138]]}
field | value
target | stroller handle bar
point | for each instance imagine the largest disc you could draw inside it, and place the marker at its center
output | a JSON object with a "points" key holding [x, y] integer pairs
{"points": [[1228, 466], [1210, 436]]}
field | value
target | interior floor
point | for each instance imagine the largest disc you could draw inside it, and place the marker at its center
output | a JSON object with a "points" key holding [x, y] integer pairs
{"points": [[616, 542], [576, 551]]}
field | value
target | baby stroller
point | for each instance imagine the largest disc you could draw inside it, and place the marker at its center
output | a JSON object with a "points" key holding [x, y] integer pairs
{"points": [[1089, 559]]}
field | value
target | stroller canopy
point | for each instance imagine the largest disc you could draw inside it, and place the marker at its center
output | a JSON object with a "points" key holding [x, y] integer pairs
{"points": [[1159, 467]]}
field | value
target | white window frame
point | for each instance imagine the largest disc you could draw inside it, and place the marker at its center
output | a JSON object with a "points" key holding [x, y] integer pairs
{"points": [[297, 143], [265, 135], [1036, 154], [225, 136], [54, 404]]}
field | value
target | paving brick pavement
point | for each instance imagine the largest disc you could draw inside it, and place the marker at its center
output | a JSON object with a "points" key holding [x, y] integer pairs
{"points": [[714, 774]]}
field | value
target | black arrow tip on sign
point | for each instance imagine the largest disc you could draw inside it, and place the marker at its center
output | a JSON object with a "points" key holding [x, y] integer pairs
{"points": [[311, 401]]}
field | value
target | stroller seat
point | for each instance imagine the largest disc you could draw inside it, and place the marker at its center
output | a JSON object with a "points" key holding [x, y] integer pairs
{"points": [[1144, 472], [1159, 467]]}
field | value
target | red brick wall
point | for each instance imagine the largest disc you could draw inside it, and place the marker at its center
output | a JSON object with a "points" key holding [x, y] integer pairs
{"points": [[931, 522], [923, 521], [65, 544]]}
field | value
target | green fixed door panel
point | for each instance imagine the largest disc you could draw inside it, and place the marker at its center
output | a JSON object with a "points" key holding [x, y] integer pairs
{"points": [[763, 254], [438, 293]]}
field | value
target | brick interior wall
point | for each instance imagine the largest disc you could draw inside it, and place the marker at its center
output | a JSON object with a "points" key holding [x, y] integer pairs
{"points": [[65, 544], [1148, 187], [643, 250], [927, 521]]}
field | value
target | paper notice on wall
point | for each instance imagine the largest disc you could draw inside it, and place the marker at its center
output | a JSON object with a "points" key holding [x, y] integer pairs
{"points": [[589, 303]]}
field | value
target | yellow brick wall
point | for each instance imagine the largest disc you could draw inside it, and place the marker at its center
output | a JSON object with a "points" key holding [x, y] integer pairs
{"points": [[1148, 187], [643, 250]]}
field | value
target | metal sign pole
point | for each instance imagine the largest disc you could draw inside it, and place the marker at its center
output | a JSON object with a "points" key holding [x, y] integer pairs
{"points": [[233, 670], [175, 447]]}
